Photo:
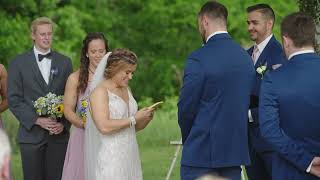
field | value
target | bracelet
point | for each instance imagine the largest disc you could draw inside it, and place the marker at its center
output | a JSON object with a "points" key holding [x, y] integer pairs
{"points": [[132, 121]]}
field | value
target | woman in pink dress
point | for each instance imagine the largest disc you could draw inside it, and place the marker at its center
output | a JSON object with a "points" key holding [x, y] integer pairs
{"points": [[76, 93]]}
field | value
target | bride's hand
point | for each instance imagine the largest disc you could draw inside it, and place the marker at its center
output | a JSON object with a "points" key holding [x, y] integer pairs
{"points": [[144, 114]]}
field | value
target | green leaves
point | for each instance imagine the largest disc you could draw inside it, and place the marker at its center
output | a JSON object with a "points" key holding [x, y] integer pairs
{"points": [[161, 32]]}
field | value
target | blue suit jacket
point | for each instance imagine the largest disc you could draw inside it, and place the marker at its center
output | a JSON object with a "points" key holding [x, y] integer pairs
{"points": [[213, 104], [271, 55], [289, 114]]}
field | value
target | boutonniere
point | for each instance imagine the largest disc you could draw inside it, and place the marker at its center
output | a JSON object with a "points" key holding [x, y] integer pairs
{"points": [[261, 70], [53, 72]]}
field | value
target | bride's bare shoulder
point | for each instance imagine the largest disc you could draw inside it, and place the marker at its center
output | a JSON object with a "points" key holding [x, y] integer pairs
{"points": [[100, 90]]}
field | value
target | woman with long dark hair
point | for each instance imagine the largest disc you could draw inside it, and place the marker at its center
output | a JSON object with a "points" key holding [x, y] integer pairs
{"points": [[94, 48]]}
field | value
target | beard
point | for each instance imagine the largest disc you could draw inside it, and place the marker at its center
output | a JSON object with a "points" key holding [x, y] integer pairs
{"points": [[203, 35]]}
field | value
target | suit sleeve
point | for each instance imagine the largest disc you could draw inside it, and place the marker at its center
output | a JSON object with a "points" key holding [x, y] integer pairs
{"points": [[190, 96], [23, 111], [272, 132], [69, 70]]}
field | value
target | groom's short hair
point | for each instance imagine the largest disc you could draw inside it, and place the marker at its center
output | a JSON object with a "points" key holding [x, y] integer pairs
{"points": [[4, 147], [40, 21], [300, 28], [214, 10], [264, 9]]}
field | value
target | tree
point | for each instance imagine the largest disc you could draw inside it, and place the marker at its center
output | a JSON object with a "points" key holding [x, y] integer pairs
{"points": [[312, 7]]}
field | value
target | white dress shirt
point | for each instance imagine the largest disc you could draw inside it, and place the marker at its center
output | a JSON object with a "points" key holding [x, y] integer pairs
{"points": [[257, 54], [261, 47], [44, 65], [215, 33], [301, 52]]}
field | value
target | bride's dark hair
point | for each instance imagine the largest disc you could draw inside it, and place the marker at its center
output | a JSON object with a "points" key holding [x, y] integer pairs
{"points": [[119, 59], [84, 60]]}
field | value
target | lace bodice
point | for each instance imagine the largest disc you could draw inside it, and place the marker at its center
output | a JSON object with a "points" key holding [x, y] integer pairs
{"points": [[119, 155]]}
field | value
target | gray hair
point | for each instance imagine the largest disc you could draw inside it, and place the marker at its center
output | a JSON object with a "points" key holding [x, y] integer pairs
{"points": [[5, 149]]}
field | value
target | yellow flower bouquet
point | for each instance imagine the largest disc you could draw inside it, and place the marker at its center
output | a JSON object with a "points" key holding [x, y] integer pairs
{"points": [[50, 106], [83, 110]]}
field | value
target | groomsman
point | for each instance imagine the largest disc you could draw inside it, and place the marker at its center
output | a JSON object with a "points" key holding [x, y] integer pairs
{"points": [[266, 52], [290, 104], [214, 101], [31, 75]]}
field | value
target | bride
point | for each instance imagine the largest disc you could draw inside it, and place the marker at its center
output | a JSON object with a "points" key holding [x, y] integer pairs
{"points": [[111, 149]]}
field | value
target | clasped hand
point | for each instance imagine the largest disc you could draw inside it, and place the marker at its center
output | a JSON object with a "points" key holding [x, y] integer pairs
{"points": [[315, 167], [144, 116], [51, 125]]}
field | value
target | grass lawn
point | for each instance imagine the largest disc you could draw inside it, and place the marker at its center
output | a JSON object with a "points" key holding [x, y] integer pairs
{"points": [[154, 143]]}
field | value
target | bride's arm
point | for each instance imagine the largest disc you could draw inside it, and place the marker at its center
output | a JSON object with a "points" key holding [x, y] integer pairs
{"points": [[142, 124], [99, 103]]}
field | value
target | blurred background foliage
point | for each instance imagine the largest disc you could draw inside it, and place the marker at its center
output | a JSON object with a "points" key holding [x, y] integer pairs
{"points": [[161, 32]]}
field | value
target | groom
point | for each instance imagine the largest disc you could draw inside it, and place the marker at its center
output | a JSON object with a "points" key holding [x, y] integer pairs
{"points": [[31, 75], [214, 101]]}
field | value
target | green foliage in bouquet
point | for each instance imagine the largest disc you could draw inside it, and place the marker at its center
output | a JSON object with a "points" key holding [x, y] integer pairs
{"points": [[49, 106]]}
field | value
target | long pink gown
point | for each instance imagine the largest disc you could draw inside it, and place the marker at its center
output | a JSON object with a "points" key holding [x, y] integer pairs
{"points": [[73, 168]]}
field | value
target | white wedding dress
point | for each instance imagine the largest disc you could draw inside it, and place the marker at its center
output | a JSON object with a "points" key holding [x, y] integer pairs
{"points": [[113, 156], [118, 157]]}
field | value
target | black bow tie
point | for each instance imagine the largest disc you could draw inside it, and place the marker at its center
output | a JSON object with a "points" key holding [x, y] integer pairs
{"points": [[41, 56]]}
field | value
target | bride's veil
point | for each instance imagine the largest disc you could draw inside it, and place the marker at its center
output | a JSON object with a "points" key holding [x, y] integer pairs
{"points": [[92, 135]]}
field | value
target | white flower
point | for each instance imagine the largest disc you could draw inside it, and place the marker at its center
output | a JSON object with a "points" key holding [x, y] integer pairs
{"points": [[261, 69], [46, 106]]}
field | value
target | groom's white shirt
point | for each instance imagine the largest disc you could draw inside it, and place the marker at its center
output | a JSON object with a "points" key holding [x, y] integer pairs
{"points": [[261, 47], [215, 33], [44, 65], [300, 52]]}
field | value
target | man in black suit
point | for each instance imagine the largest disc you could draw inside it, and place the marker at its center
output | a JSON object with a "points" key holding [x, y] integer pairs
{"points": [[33, 74]]}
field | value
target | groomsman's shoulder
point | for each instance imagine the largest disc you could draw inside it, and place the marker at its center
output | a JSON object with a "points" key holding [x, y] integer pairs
{"points": [[195, 55], [276, 46], [60, 56], [21, 58], [63, 59]]}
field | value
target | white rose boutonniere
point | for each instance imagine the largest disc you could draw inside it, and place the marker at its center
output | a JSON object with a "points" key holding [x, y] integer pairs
{"points": [[261, 70]]}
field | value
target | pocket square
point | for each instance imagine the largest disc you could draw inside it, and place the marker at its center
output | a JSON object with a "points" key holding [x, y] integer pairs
{"points": [[276, 66]]}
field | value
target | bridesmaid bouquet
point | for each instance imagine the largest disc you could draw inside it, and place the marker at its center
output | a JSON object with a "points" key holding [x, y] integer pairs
{"points": [[50, 106], [83, 110]]}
